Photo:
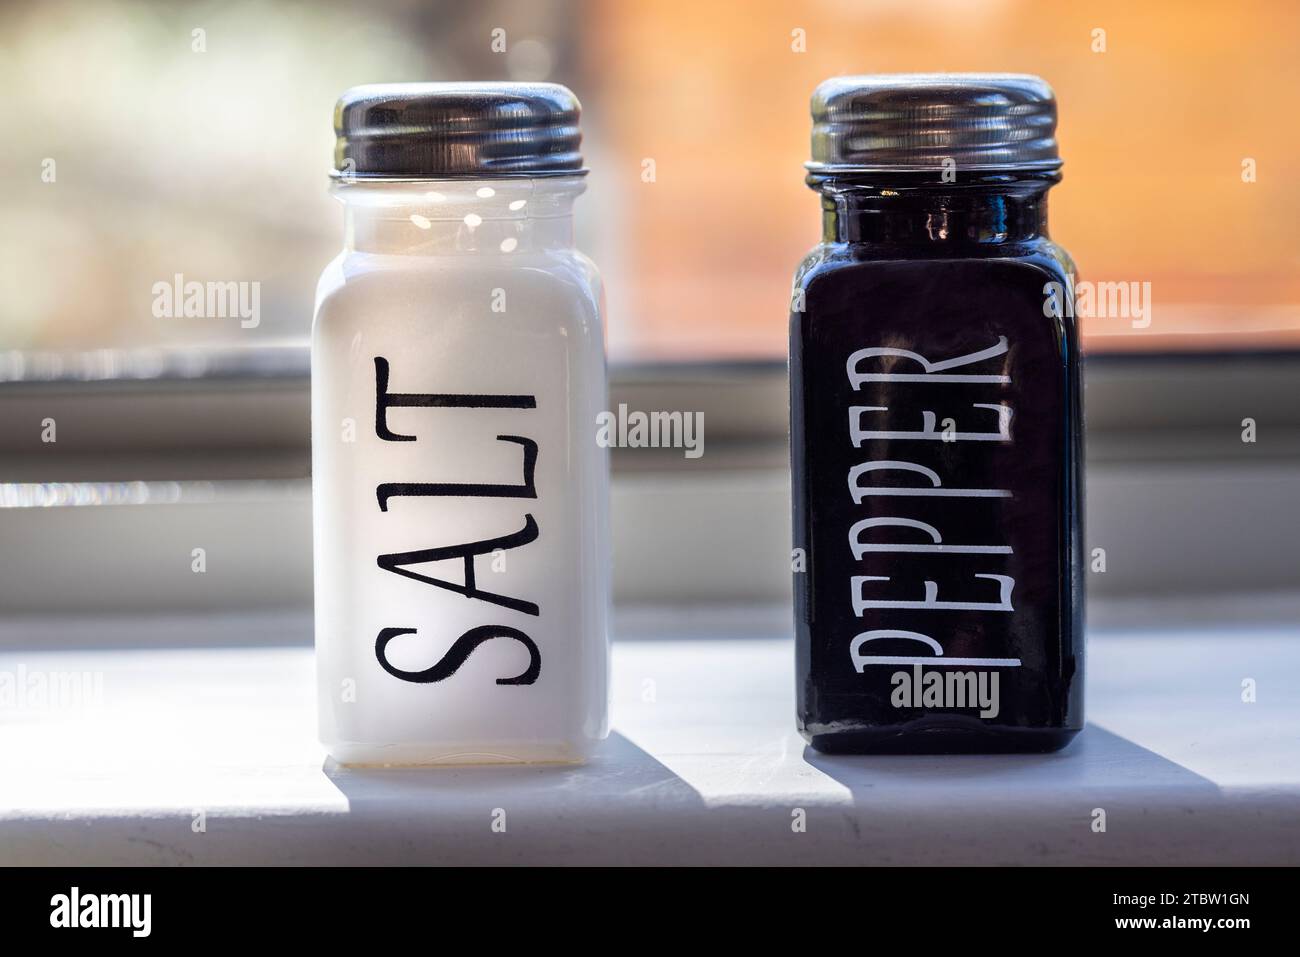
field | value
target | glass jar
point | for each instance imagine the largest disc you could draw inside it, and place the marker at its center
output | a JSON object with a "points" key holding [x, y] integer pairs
{"points": [[936, 425], [460, 497]]}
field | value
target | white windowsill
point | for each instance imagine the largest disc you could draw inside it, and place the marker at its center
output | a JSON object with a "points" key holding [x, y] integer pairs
{"points": [[704, 765]]}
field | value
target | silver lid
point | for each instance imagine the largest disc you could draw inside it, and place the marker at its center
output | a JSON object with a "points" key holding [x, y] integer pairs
{"points": [[917, 121], [450, 130]]}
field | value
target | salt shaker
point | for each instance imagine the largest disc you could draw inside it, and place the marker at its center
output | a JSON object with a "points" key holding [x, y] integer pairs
{"points": [[460, 496], [936, 424]]}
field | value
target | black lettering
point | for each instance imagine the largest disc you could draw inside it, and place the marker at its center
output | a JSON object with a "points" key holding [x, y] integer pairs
{"points": [[459, 653], [528, 489], [468, 552], [384, 400]]}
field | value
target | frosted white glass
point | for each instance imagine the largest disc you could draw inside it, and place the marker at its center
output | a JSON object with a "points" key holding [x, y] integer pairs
{"points": [[464, 288]]}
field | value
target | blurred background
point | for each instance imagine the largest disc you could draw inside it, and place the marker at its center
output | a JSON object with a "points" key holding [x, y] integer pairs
{"points": [[146, 139], [195, 138]]}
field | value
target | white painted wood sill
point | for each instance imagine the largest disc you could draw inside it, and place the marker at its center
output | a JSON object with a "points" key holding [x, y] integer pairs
{"points": [[704, 765]]}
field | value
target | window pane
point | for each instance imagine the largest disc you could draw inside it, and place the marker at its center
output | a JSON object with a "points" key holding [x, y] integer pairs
{"points": [[153, 140]]}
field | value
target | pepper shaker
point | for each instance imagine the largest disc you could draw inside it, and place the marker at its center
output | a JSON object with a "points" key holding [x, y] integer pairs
{"points": [[936, 424]]}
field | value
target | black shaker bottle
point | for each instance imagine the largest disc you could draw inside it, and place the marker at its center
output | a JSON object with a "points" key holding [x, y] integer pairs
{"points": [[936, 428]]}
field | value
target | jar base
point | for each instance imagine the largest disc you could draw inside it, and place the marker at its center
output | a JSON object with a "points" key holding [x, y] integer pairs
{"points": [[355, 755], [941, 740]]}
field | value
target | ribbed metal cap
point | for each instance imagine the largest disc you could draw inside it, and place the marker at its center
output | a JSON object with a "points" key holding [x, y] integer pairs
{"points": [[916, 121], [450, 130]]}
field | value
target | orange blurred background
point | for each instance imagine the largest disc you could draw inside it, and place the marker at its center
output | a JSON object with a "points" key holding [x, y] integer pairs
{"points": [[213, 163], [1153, 132]]}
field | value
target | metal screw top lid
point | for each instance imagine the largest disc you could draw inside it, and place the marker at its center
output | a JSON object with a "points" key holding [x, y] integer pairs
{"points": [[453, 130], [917, 121]]}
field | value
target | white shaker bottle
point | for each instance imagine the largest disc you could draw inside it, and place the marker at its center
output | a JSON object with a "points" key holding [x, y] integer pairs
{"points": [[460, 496]]}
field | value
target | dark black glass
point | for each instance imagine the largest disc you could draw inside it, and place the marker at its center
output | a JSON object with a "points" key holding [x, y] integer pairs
{"points": [[936, 450]]}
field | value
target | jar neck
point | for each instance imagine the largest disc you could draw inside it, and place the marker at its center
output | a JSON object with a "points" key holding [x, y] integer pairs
{"points": [[462, 216], [920, 209]]}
